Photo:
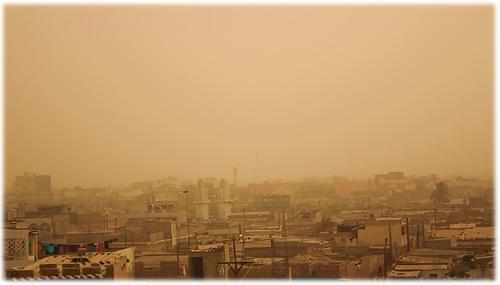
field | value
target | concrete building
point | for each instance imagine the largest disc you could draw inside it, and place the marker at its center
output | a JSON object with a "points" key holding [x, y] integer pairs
{"points": [[33, 187], [425, 271], [160, 266], [148, 234], [20, 245], [224, 201], [201, 201], [276, 203], [205, 261], [117, 264], [212, 200], [377, 232]]}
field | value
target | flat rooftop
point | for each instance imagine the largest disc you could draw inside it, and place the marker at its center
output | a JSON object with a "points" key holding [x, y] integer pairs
{"points": [[404, 274], [420, 267]]}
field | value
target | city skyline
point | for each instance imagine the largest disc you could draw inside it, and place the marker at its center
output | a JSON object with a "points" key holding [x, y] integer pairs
{"points": [[246, 182]]}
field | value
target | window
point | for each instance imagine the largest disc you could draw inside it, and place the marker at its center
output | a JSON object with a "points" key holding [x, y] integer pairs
{"points": [[15, 248]]}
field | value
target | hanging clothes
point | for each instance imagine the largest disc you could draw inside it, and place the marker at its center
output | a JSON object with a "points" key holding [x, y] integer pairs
{"points": [[40, 249], [90, 247], [61, 248], [72, 247], [100, 246], [49, 249], [56, 248]]}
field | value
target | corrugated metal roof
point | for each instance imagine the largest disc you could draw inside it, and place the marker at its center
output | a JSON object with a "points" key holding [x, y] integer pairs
{"points": [[43, 278]]}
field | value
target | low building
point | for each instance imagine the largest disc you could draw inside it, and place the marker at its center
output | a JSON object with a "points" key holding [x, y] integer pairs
{"points": [[427, 271], [207, 261], [95, 265], [20, 245], [281, 247], [156, 265], [385, 230]]}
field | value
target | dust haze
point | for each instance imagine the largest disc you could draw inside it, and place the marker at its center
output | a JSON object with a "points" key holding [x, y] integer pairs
{"points": [[111, 95]]}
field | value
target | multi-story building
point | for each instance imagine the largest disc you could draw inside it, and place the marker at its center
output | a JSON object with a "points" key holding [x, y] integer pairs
{"points": [[276, 203], [31, 186], [212, 199]]}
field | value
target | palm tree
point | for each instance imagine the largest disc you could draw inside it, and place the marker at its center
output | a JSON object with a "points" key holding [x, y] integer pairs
{"points": [[440, 194]]}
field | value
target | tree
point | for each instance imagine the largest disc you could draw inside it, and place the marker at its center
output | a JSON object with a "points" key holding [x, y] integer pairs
{"points": [[457, 274], [440, 194], [326, 223]]}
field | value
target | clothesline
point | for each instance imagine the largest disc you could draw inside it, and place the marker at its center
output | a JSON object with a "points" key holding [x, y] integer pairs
{"points": [[80, 243], [60, 248]]}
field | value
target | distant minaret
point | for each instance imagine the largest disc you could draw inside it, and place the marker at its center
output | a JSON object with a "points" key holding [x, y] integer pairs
{"points": [[235, 173]]}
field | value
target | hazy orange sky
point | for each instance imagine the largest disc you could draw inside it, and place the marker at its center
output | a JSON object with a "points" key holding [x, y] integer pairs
{"points": [[112, 95]]}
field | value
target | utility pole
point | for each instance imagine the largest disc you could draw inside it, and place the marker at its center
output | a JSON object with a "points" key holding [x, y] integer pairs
{"points": [[238, 265], [187, 219], [235, 260], [390, 242], [165, 236], [286, 246], [408, 234], [450, 218], [418, 234], [370, 204], [177, 251], [385, 258], [423, 232], [272, 255], [435, 218], [279, 223], [244, 219]]}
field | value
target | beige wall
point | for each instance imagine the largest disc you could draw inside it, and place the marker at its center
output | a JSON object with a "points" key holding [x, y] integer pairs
{"points": [[123, 269], [376, 235]]}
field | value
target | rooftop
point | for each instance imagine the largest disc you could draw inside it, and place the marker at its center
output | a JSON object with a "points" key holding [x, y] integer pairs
{"points": [[94, 263], [208, 247], [404, 274], [67, 277], [86, 259], [413, 259], [438, 252], [419, 267]]}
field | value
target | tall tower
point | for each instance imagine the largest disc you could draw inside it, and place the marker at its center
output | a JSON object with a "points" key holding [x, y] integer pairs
{"points": [[235, 173], [202, 204], [224, 200]]}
